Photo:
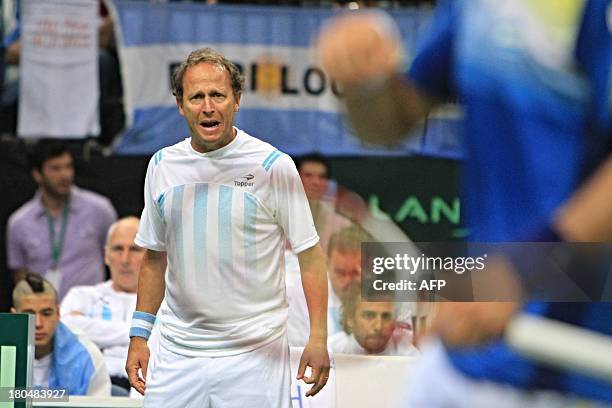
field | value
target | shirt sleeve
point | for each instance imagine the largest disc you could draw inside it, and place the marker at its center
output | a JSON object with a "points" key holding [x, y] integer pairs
{"points": [[291, 205], [151, 232], [15, 250], [432, 67]]}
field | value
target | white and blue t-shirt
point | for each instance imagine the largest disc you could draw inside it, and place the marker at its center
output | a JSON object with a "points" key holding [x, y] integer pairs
{"points": [[222, 217]]}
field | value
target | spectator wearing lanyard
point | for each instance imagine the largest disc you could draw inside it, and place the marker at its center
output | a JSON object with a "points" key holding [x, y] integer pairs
{"points": [[60, 233]]}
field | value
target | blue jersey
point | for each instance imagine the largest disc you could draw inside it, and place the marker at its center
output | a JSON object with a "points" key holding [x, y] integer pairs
{"points": [[534, 79]]}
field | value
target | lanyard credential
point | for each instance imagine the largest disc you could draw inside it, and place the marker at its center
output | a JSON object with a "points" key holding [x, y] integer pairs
{"points": [[57, 245]]}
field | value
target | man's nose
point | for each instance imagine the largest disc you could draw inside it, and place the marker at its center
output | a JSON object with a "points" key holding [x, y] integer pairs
{"points": [[125, 256], [38, 321], [378, 324], [208, 106]]}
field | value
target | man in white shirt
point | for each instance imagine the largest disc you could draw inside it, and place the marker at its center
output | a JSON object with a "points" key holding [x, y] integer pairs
{"points": [[104, 311], [64, 357], [218, 207], [344, 266], [370, 328]]}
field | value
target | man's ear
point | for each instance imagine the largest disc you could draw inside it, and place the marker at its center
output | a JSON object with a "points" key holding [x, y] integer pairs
{"points": [[37, 176], [179, 105], [237, 104], [13, 310], [350, 323]]}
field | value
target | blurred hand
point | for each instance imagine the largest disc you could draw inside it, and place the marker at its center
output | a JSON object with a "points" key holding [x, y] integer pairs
{"points": [[360, 47], [471, 323], [138, 358]]}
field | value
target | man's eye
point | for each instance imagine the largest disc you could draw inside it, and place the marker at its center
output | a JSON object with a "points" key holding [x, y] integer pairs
{"points": [[369, 315]]}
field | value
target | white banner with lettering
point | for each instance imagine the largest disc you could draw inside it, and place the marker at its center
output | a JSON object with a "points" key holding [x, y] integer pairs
{"points": [[58, 88]]}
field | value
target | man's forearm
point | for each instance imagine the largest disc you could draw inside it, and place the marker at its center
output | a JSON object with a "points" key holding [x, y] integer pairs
{"points": [[314, 284], [151, 284], [587, 215]]}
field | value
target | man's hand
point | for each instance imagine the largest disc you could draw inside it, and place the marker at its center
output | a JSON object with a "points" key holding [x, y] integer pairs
{"points": [[138, 358], [472, 323], [359, 47], [316, 357]]}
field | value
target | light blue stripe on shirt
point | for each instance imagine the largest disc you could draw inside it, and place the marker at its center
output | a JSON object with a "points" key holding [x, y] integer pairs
{"points": [[200, 221], [250, 230], [160, 204], [270, 156], [225, 226], [177, 226], [272, 160], [106, 313]]}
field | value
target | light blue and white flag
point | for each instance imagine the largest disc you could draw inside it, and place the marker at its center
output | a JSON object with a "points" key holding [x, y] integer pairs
{"points": [[288, 100]]}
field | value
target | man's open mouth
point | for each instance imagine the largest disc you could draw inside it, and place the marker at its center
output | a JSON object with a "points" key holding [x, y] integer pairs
{"points": [[210, 124]]}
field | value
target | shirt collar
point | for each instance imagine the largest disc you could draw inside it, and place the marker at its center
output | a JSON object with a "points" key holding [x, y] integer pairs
{"points": [[40, 208]]}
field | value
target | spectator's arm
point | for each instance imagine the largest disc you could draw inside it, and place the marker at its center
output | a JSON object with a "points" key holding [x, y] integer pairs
{"points": [[15, 252], [104, 333], [13, 53]]}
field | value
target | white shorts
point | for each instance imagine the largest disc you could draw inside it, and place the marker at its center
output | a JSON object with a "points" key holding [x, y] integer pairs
{"points": [[436, 383], [256, 379]]}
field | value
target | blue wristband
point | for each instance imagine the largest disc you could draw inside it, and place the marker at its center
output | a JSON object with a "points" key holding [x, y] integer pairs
{"points": [[142, 324]]}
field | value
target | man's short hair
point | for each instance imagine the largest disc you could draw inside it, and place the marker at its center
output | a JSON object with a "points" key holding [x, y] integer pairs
{"points": [[45, 149], [348, 239], [313, 158], [114, 225], [208, 56], [33, 283]]}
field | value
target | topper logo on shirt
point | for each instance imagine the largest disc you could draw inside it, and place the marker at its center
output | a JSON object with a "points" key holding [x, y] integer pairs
{"points": [[245, 181]]}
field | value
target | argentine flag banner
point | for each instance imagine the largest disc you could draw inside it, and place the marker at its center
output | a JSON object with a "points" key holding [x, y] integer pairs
{"points": [[288, 101]]}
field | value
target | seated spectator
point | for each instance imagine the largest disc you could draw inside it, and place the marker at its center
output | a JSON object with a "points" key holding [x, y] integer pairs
{"points": [[334, 207], [369, 328], [314, 173], [64, 358], [344, 268], [104, 311], [60, 233]]}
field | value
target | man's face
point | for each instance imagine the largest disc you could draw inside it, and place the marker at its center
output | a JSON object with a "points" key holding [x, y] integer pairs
{"points": [[372, 325], [209, 106], [314, 179], [344, 269], [123, 257], [56, 175], [46, 310]]}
